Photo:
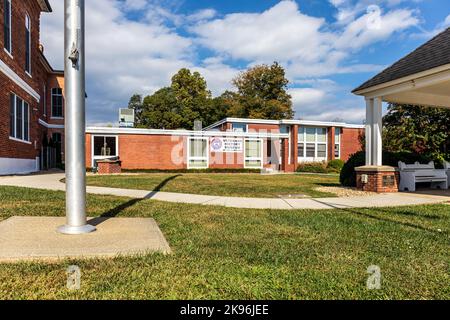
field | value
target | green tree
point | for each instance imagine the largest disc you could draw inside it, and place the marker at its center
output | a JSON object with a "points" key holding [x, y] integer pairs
{"points": [[135, 103], [261, 93], [161, 111], [423, 130]]}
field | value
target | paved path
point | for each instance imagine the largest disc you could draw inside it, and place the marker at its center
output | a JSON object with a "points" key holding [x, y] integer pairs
{"points": [[52, 182]]}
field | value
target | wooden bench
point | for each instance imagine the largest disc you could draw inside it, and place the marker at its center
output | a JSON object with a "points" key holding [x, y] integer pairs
{"points": [[411, 174]]}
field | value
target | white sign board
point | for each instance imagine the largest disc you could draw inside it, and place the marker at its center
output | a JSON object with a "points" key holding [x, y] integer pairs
{"points": [[226, 144]]}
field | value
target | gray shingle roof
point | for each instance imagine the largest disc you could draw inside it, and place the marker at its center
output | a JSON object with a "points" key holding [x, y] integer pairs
{"points": [[432, 54]]}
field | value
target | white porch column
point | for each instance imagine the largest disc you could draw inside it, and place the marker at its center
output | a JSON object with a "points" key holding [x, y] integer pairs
{"points": [[377, 130], [369, 125]]}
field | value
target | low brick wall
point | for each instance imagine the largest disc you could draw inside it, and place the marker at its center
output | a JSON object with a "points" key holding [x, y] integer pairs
{"points": [[109, 167], [379, 179]]}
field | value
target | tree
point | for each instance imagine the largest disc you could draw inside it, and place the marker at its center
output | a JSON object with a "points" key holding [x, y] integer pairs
{"points": [[161, 111], [135, 103], [423, 130], [261, 93]]}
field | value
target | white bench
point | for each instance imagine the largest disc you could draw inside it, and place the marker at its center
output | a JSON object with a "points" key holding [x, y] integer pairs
{"points": [[447, 169], [410, 174]]}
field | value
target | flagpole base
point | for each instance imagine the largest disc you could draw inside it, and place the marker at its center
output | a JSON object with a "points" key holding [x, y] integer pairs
{"points": [[87, 228]]}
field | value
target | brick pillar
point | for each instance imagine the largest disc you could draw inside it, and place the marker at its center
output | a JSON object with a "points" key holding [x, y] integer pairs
{"points": [[381, 179], [331, 142], [294, 146], [285, 155]]}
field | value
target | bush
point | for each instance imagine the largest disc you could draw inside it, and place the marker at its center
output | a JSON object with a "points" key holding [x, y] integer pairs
{"points": [[209, 170], [312, 167], [335, 165], [348, 174]]}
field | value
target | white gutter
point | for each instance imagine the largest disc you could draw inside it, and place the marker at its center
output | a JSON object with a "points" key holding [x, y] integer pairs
{"points": [[51, 126]]}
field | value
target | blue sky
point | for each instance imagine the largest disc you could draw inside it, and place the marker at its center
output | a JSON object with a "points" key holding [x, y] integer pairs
{"points": [[328, 47]]}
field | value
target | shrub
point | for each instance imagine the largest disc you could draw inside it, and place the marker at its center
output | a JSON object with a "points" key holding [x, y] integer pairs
{"points": [[335, 165], [348, 174], [209, 170], [312, 167]]}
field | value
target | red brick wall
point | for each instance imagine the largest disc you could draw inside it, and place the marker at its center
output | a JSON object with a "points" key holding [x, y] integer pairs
{"points": [[350, 142], [252, 127], [10, 148]]}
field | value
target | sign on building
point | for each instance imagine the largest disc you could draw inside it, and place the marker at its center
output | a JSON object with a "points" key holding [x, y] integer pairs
{"points": [[219, 144]]}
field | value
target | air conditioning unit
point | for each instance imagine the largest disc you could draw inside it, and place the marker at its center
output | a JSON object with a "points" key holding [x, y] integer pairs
{"points": [[126, 118]]}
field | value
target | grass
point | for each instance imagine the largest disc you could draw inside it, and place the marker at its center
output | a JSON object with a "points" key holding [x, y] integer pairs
{"points": [[224, 253], [237, 185]]}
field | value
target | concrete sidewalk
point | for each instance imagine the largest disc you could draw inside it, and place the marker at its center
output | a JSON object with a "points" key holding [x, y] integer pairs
{"points": [[52, 182]]}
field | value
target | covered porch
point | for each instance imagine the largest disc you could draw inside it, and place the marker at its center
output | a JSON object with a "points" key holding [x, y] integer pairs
{"points": [[421, 78]]}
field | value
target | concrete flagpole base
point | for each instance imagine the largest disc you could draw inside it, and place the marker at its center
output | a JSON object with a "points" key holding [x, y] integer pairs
{"points": [[70, 230]]}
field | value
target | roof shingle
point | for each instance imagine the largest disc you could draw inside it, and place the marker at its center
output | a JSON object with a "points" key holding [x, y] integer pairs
{"points": [[432, 54]]}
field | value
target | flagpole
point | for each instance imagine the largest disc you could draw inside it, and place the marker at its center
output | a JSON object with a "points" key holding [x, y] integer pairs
{"points": [[75, 119]]}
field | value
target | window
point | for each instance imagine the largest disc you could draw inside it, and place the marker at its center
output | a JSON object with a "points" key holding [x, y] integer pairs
{"points": [[44, 100], [19, 116], [27, 44], [103, 147], [7, 25], [198, 153], [253, 153], [337, 143], [312, 144], [57, 103]]}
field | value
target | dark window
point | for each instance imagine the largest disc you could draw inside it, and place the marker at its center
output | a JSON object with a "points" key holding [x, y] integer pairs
{"points": [[7, 26], [12, 116], [105, 146], [310, 150], [269, 148], [27, 44], [26, 115], [19, 119], [57, 103], [301, 150]]}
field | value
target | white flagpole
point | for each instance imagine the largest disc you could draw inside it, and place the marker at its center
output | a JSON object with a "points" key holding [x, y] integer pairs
{"points": [[75, 119]]}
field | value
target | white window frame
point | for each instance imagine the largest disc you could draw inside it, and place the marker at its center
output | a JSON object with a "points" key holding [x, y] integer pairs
{"points": [[62, 106], [261, 155], [304, 158], [189, 158], [337, 143], [9, 52], [28, 28], [14, 138], [94, 157]]}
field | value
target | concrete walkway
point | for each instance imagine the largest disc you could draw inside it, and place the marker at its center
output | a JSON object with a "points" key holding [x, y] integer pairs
{"points": [[52, 182]]}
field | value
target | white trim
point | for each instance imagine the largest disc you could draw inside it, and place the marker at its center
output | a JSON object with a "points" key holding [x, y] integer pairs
{"points": [[115, 130], [51, 126], [94, 157], [395, 82], [190, 158], [304, 158], [286, 121], [8, 53], [337, 143], [261, 156], [19, 140], [19, 81]]}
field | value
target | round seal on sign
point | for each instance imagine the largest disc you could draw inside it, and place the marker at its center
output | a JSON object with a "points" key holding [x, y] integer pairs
{"points": [[216, 144]]}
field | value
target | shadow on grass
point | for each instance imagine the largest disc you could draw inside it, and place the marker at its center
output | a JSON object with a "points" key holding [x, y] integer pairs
{"points": [[381, 218], [114, 212]]}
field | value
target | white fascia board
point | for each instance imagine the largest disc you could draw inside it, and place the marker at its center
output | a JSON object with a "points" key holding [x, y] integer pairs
{"points": [[19, 81], [109, 130], [51, 126], [370, 92]]}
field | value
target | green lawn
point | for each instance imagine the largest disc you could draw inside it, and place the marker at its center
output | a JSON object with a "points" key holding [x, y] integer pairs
{"points": [[238, 185], [225, 253]]}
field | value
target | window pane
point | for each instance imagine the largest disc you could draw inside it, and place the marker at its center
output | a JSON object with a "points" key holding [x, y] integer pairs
{"points": [[253, 163], [253, 149], [198, 148], [25, 122], [310, 134], [200, 164], [57, 103], [337, 151], [337, 135], [111, 145], [104, 146], [7, 25], [321, 150], [310, 150], [301, 134], [12, 118], [321, 135], [19, 105], [301, 150]]}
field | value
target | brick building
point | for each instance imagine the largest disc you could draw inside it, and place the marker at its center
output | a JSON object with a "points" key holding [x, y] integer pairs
{"points": [[31, 92], [230, 143]]}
